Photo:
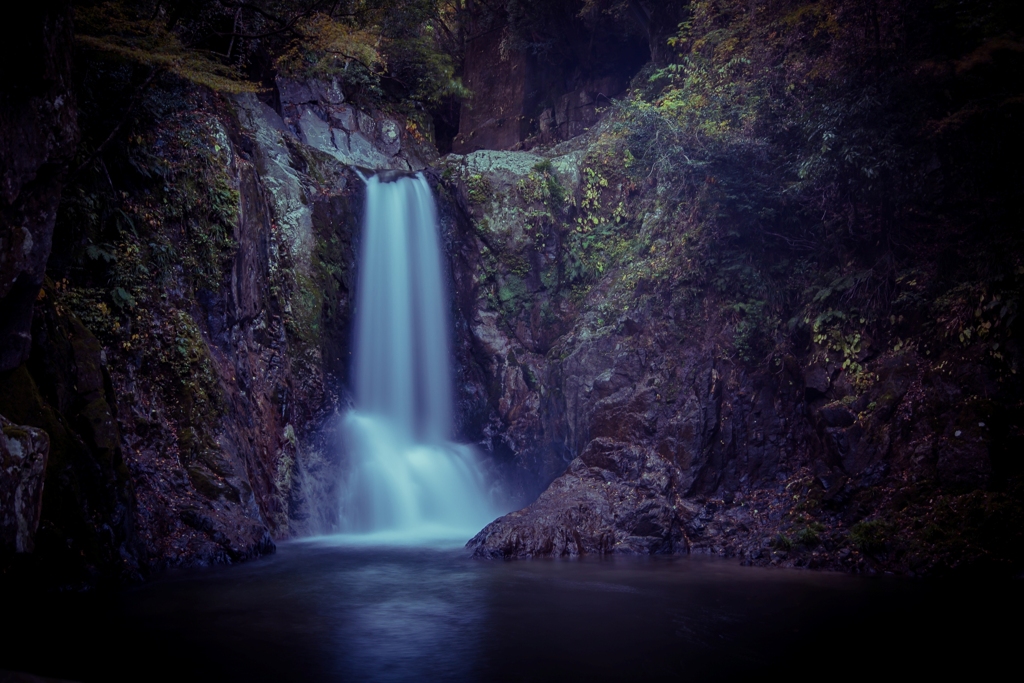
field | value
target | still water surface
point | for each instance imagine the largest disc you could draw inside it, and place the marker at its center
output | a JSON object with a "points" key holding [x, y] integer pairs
{"points": [[331, 610]]}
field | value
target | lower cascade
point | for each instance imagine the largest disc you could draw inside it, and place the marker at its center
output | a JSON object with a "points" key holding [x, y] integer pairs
{"points": [[406, 480]]}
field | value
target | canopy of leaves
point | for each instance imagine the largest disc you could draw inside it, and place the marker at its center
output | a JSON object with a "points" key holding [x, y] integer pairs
{"points": [[855, 164], [836, 103], [393, 43], [411, 49], [120, 28]]}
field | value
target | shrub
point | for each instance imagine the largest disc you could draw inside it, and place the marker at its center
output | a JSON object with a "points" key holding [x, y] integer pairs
{"points": [[809, 536], [782, 542], [870, 536]]}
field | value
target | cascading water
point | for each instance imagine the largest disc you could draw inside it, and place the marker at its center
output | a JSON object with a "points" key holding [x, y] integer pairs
{"points": [[406, 480]]}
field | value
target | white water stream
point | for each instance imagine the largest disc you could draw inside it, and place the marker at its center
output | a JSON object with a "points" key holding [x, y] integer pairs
{"points": [[407, 482]]}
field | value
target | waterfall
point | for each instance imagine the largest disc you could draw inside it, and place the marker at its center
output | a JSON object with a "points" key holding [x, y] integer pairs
{"points": [[406, 480]]}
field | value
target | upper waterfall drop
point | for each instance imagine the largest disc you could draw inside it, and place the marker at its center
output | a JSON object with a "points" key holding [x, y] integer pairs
{"points": [[401, 351], [406, 480]]}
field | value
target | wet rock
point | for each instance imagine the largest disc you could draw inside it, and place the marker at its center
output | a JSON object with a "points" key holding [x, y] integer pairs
{"points": [[754, 457], [362, 152], [353, 149], [328, 91], [345, 118], [295, 92], [301, 212], [316, 112], [390, 137], [315, 132], [836, 415], [367, 124], [615, 498], [23, 457], [816, 381], [504, 167]]}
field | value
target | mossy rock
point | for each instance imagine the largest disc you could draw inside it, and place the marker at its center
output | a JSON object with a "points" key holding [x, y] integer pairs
{"points": [[211, 486]]}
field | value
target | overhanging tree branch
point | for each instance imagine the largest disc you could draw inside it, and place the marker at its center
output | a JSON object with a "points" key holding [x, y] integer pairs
{"points": [[120, 124]]}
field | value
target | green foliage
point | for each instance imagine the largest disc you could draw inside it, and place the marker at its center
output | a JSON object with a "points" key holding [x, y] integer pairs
{"points": [[123, 29], [871, 536], [513, 294], [829, 330], [554, 193], [810, 535], [479, 190], [956, 530], [385, 52], [307, 303], [970, 313], [797, 126], [782, 542], [91, 305], [182, 351], [368, 45], [430, 73], [753, 335], [600, 235], [185, 158], [135, 244], [331, 48]]}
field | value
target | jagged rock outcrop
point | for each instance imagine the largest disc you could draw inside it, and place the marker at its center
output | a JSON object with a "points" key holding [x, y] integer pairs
{"points": [[38, 135], [23, 452], [317, 113]]}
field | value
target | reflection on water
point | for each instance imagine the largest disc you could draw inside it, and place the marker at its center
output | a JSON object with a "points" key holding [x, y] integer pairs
{"points": [[327, 610], [395, 623]]}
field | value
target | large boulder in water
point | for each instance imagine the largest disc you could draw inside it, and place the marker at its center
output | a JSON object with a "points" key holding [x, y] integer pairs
{"points": [[614, 498]]}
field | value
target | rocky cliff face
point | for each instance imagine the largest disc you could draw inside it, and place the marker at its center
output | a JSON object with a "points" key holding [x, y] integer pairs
{"points": [[603, 354], [191, 344]]}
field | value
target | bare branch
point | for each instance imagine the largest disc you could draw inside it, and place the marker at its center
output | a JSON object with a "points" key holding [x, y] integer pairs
{"points": [[120, 124]]}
